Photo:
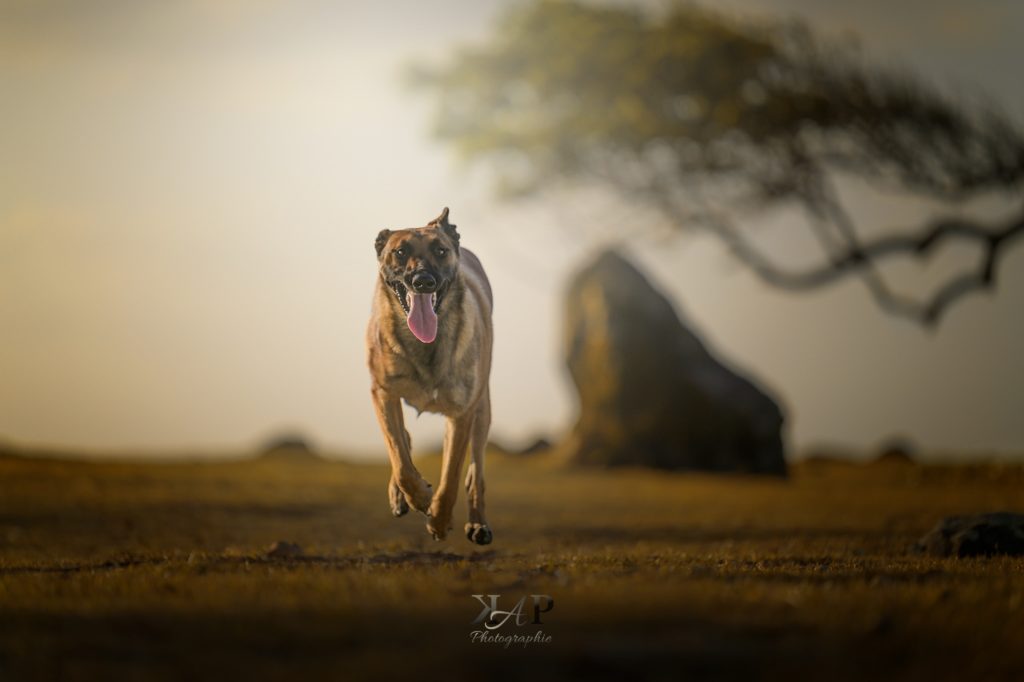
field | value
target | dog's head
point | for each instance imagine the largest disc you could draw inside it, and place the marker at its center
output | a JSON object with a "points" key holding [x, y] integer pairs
{"points": [[419, 265]]}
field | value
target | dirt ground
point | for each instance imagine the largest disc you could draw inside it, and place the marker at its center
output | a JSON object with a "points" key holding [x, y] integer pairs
{"points": [[125, 570]]}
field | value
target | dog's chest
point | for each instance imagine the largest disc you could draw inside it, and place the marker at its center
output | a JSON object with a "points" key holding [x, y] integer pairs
{"points": [[447, 395], [430, 387]]}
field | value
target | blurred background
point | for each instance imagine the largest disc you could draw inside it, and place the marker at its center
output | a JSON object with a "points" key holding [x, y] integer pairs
{"points": [[189, 193]]}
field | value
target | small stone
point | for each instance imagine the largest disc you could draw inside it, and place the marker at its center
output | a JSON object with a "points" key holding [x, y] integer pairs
{"points": [[283, 549], [1000, 533]]}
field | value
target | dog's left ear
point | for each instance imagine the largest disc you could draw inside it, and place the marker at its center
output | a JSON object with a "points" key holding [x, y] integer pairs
{"points": [[382, 240], [441, 220], [442, 223]]}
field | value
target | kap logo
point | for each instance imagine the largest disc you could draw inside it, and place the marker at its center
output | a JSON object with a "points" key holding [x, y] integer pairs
{"points": [[493, 619], [527, 611]]}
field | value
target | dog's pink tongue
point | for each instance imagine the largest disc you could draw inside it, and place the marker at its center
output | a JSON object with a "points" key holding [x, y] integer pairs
{"points": [[422, 318]]}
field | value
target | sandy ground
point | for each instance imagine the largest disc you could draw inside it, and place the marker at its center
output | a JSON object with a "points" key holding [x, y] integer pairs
{"points": [[159, 571]]}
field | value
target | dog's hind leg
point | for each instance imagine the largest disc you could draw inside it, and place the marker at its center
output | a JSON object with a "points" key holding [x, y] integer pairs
{"points": [[477, 529], [404, 474]]}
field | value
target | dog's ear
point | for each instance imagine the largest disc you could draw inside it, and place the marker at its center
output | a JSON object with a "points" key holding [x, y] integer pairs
{"points": [[441, 222], [452, 233], [382, 239]]}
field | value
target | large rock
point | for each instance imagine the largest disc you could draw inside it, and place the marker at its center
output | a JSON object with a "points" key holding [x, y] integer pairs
{"points": [[978, 535], [650, 393]]}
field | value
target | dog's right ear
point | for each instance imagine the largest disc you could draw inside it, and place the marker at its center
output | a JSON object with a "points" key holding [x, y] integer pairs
{"points": [[382, 240]]}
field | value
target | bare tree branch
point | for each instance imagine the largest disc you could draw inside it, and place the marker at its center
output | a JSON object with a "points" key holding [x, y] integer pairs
{"points": [[994, 240]]}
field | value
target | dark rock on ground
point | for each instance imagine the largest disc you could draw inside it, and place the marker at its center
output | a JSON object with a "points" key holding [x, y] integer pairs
{"points": [[282, 549], [650, 392], [978, 535], [897, 451], [289, 446]]}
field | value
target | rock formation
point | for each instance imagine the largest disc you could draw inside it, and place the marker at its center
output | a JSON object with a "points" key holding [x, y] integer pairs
{"points": [[650, 393]]}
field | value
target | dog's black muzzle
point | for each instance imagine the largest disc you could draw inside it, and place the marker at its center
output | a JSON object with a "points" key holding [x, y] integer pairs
{"points": [[420, 282], [423, 282]]}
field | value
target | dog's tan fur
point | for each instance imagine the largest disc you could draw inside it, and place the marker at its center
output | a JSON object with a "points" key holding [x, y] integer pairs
{"points": [[450, 376]]}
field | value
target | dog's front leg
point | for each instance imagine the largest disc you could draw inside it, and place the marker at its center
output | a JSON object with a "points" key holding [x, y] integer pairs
{"points": [[456, 441], [404, 474]]}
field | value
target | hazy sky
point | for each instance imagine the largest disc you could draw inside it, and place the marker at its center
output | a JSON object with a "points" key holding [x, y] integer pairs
{"points": [[189, 192]]}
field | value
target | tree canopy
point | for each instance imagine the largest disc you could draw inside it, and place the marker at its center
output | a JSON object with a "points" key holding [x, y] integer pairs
{"points": [[710, 119]]}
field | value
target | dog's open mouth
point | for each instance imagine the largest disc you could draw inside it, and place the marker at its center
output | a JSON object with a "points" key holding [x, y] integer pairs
{"points": [[420, 310]]}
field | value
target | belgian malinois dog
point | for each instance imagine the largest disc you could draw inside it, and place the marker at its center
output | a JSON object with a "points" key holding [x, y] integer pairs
{"points": [[429, 344]]}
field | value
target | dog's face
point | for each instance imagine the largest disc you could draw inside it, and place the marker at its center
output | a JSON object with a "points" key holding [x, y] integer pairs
{"points": [[419, 265]]}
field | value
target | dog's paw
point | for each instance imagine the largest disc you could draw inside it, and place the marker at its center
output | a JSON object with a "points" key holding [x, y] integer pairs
{"points": [[421, 497], [437, 531], [438, 528], [396, 498], [479, 533]]}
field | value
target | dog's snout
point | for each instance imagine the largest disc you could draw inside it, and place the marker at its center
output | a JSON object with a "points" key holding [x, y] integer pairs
{"points": [[424, 283]]}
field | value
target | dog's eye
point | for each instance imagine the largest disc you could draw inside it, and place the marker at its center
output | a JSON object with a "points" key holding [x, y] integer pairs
{"points": [[401, 252], [441, 251]]}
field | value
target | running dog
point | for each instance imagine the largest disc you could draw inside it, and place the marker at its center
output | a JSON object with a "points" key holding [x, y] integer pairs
{"points": [[429, 343]]}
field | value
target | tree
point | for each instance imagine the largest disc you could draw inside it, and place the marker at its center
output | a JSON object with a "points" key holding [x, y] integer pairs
{"points": [[710, 119]]}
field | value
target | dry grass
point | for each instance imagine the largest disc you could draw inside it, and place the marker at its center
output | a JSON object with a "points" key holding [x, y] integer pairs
{"points": [[158, 571]]}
